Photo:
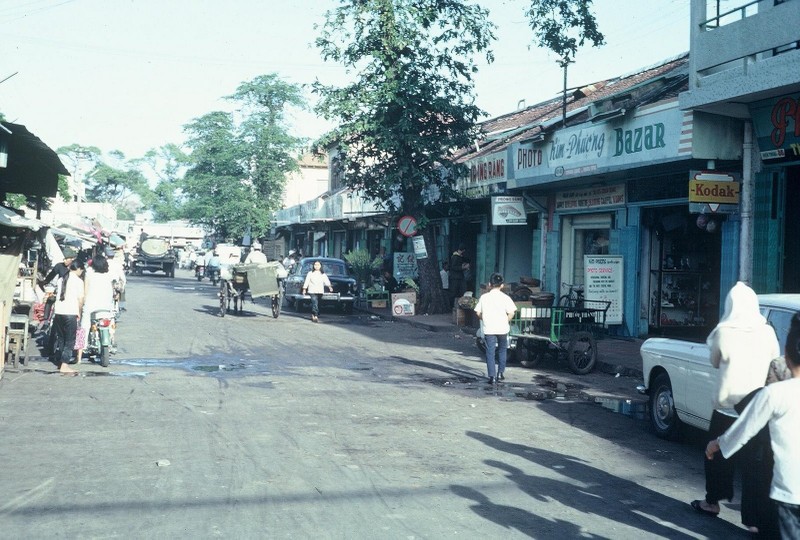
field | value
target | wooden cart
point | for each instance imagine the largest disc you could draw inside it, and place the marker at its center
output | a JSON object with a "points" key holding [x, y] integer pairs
{"points": [[256, 279]]}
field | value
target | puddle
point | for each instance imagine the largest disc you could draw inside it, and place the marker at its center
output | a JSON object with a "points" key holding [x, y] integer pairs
{"points": [[220, 367]]}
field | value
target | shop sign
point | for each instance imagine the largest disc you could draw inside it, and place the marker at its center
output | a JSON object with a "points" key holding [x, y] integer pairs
{"points": [[713, 193], [508, 211], [405, 266], [603, 280], [486, 175], [591, 197], [777, 125]]}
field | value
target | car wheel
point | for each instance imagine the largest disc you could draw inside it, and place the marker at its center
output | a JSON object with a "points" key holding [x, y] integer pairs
{"points": [[663, 416]]}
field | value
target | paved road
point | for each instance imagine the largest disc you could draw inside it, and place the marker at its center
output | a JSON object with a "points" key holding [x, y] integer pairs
{"points": [[254, 427]]}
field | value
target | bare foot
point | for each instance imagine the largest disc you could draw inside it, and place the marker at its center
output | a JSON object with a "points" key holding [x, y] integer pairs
{"points": [[709, 507], [64, 368]]}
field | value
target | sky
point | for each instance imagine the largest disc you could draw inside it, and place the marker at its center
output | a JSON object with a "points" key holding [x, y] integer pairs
{"points": [[127, 75]]}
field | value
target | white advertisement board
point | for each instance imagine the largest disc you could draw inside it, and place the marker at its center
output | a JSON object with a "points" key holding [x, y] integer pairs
{"points": [[508, 211], [603, 280]]}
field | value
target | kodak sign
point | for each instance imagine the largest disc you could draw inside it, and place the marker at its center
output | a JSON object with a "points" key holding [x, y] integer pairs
{"points": [[713, 191]]}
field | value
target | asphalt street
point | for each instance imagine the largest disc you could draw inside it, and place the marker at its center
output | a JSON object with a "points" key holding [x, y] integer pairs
{"points": [[253, 427]]}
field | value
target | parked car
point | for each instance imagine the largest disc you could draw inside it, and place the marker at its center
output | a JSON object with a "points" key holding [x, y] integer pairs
{"points": [[344, 285], [680, 380]]}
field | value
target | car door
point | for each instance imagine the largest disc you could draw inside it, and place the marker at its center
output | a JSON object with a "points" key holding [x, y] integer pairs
{"points": [[701, 380]]}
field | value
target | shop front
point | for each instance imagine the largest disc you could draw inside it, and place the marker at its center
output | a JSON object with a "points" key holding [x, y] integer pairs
{"points": [[618, 191], [776, 212]]}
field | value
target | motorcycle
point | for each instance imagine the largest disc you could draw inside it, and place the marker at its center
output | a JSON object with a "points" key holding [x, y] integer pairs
{"points": [[199, 271], [213, 274], [100, 338]]}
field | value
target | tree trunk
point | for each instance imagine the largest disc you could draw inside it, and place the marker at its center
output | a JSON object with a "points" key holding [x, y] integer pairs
{"points": [[432, 297]]}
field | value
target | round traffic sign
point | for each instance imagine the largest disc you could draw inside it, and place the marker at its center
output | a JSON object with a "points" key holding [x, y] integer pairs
{"points": [[407, 225]]}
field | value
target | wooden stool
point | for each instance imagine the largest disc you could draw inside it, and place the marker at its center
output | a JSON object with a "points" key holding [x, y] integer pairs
{"points": [[17, 339]]}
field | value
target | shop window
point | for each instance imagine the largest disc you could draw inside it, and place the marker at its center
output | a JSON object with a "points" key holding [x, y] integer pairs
{"points": [[685, 252]]}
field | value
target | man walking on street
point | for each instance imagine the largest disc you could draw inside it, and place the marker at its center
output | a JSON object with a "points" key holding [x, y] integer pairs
{"points": [[495, 309]]}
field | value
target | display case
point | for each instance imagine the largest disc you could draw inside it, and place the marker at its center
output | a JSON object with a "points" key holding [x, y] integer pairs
{"points": [[684, 280]]}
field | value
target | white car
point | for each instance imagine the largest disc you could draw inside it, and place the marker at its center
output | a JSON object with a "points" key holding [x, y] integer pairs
{"points": [[679, 377]]}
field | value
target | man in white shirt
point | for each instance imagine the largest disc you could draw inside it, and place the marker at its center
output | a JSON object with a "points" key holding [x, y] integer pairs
{"points": [[256, 255], [495, 309], [777, 405]]}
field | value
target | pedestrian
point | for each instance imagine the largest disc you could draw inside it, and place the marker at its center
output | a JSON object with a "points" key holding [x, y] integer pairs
{"points": [[315, 284], [456, 273], [69, 303], [98, 295], [444, 275], [59, 270], [495, 309], [741, 347], [777, 406]]}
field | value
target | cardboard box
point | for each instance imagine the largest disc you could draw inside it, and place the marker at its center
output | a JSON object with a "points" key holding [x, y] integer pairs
{"points": [[403, 304]]}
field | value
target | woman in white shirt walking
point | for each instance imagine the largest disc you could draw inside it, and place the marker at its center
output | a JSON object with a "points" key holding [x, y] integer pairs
{"points": [[67, 309], [315, 284]]}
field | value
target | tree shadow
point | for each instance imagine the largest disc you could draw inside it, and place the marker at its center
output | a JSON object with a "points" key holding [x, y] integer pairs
{"points": [[593, 491]]}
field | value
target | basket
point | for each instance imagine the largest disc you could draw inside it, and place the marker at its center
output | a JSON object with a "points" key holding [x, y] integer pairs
{"points": [[542, 299]]}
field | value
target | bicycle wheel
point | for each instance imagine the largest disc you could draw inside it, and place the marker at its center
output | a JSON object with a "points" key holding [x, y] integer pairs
{"points": [[564, 300]]}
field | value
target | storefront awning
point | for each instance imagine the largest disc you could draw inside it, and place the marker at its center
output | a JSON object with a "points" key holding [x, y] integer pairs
{"points": [[30, 166]]}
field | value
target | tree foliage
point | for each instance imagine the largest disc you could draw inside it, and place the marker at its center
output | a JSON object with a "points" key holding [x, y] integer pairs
{"points": [[237, 169], [564, 25], [411, 103], [124, 187], [167, 164]]}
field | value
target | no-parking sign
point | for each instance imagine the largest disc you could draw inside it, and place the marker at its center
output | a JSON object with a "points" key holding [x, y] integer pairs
{"points": [[407, 225]]}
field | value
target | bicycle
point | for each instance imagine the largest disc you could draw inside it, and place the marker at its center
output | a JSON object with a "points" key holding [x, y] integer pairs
{"points": [[573, 298]]}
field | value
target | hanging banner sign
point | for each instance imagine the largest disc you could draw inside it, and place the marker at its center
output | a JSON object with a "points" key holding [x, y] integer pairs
{"points": [[508, 211], [603, 280], [419, 247]]}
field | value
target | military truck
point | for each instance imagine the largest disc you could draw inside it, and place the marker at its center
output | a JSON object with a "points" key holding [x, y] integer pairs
{"points": [[155, 255]]}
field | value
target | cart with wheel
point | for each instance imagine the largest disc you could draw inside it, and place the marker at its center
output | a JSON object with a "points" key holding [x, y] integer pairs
{"points": [[559, 332], [257, 280]]}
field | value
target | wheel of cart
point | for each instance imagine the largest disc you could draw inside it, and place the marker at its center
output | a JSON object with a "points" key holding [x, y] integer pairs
{"points": [[561, 332]]}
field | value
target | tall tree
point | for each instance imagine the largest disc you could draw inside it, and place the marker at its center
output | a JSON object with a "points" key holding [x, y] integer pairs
{"points": [[410, 106], [237, 170], [167, 164], [124, 187]]}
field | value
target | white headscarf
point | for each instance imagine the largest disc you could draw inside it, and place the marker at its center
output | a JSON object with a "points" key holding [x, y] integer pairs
{"points": [[741, 309]]}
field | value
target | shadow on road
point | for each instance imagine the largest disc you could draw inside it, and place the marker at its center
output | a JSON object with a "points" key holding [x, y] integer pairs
{"points": [[590, 490]]}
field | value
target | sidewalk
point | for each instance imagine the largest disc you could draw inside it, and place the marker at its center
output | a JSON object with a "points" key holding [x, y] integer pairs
{"points": [[616, 356]]}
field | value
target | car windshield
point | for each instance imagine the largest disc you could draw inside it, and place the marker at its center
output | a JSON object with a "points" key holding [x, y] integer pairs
{"points": [[332, 268]]}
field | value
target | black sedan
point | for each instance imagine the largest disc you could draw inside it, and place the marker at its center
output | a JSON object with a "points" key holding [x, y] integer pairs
{"points": [[344, 285]]}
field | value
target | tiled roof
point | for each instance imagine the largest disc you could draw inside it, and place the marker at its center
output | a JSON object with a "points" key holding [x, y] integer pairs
{"points": [[631, 90]]}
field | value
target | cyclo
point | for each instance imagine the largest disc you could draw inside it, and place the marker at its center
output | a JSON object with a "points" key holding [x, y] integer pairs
{"points": [[561, 330], [257, 279]]}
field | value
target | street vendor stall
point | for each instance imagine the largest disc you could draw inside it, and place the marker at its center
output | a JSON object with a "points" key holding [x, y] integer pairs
{"points": [[16, 282]]}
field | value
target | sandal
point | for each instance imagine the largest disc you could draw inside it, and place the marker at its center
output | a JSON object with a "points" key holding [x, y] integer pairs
{"points": [[698, 505]]}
